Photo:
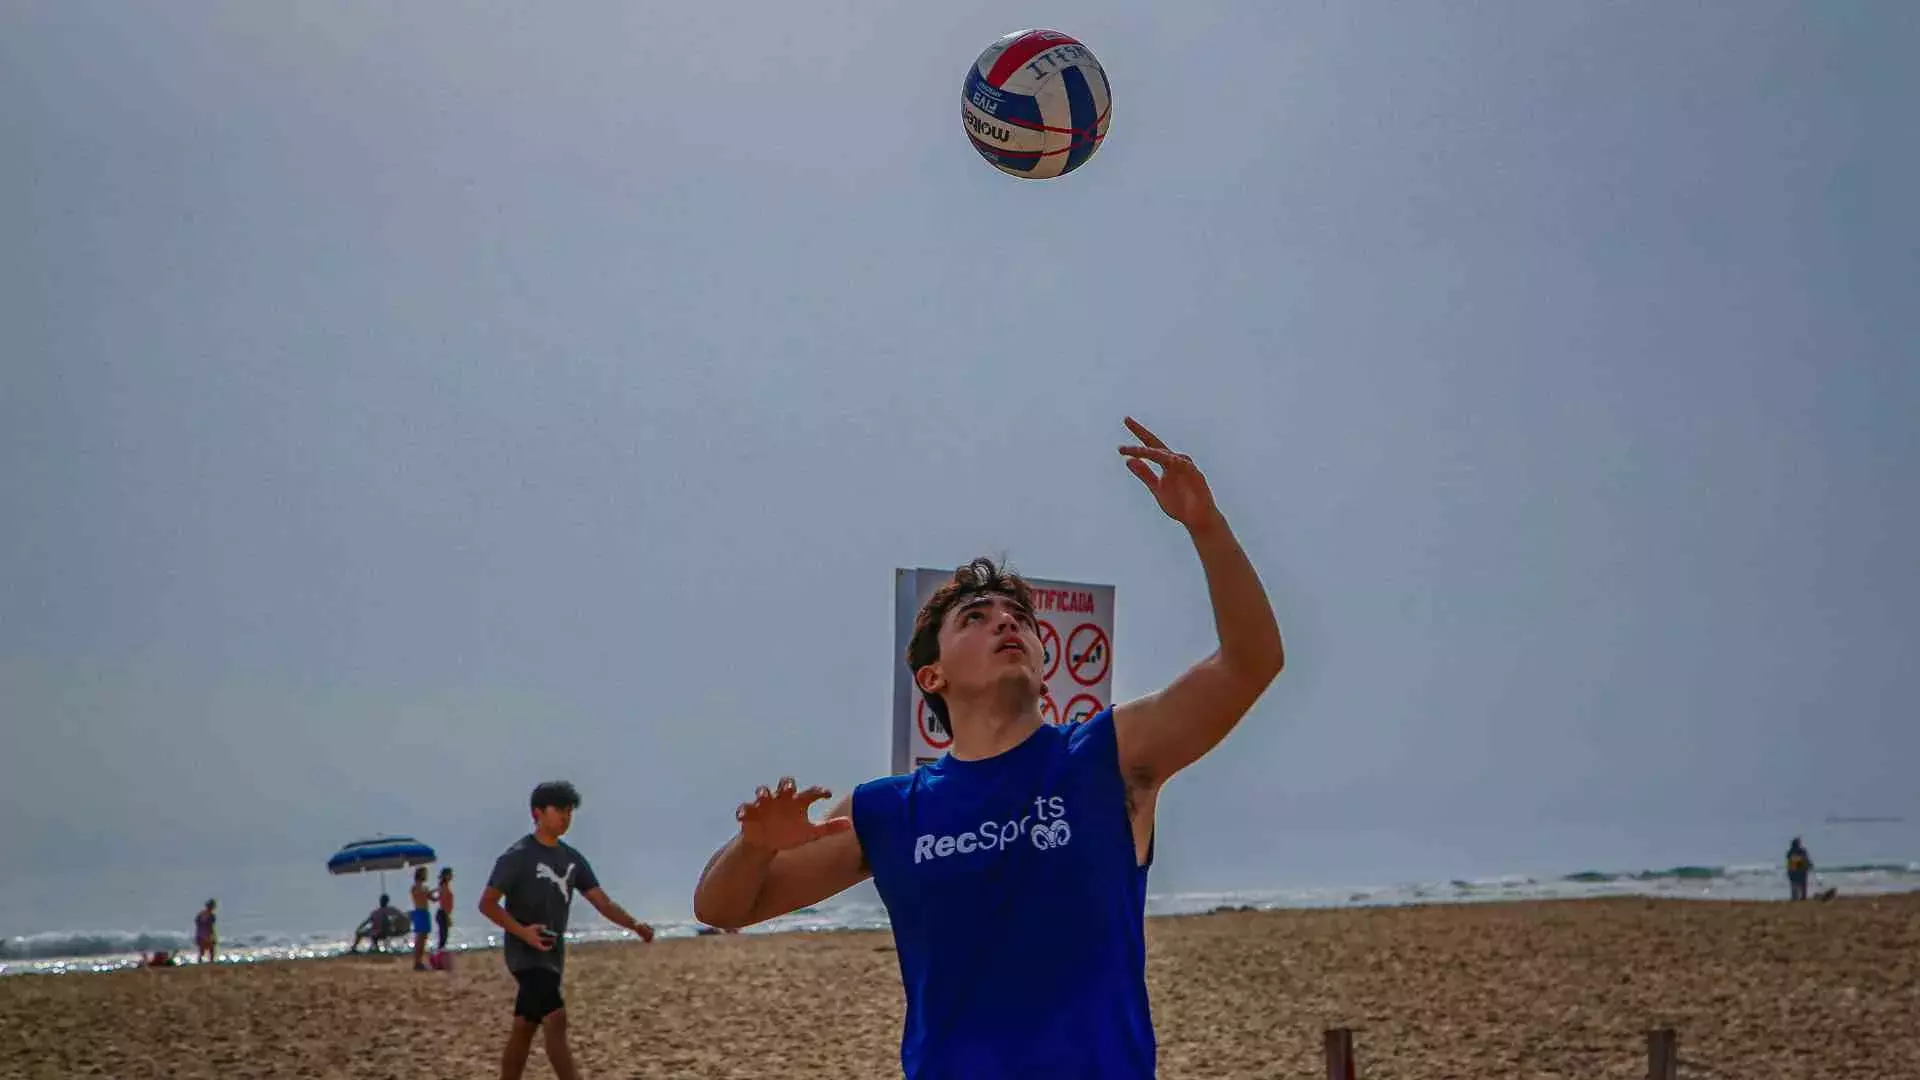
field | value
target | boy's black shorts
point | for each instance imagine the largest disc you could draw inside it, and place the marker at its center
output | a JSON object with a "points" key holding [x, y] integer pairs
{"points": [[539, 994]]}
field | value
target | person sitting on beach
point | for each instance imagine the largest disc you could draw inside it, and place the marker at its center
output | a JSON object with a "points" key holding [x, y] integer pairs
{"points": [[203, 934], [1799, 864], [1014, 867], [378, 926]]}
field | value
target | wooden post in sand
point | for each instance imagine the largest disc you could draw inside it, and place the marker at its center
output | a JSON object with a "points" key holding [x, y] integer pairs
{"points": [[1340, 1054], [1663, 1055]]}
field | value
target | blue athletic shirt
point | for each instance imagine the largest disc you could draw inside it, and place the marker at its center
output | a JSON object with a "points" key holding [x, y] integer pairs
{"points": [[1018, 910]]}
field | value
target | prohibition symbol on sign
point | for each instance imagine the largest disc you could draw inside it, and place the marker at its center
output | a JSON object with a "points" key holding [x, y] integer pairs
{"points": [[1082, 708], [1049, 712], [938, 742], [1049, 649], [1087, 654]]}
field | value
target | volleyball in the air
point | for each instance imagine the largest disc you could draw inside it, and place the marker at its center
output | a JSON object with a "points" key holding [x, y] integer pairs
{"points": [[1036, 104]]}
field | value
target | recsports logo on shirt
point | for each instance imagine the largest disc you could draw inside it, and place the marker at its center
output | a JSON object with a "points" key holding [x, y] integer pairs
{"points": [[1046, 828]]}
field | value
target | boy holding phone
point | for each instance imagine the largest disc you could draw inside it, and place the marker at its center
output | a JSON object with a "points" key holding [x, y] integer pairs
{"points": [[529, 895]]}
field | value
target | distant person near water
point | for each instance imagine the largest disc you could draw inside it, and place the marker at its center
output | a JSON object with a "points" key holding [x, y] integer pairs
{"points": [[422, 922], [528, 895], [443, 895], [1799, 865], [204, 937]]}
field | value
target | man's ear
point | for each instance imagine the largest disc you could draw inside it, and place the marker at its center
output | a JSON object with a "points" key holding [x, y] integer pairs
{"points": [[929, 679]]}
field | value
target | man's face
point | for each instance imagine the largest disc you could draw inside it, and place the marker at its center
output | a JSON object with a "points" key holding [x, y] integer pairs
{"points": [[986, 641], [553, 820]]}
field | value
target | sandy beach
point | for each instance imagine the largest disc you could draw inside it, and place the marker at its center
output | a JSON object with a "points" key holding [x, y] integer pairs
{"points": [[1563, 989]]}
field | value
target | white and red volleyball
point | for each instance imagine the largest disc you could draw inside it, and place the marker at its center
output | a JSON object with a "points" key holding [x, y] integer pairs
{"points": [[1036, 104]]}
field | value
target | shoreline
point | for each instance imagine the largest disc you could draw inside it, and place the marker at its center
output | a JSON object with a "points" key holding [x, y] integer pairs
{"points": [[1552, 988], [814, 922]]}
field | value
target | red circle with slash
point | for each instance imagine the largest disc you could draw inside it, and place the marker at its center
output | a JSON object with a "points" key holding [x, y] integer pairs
{"points": [[938, 742], [1095, 657]]}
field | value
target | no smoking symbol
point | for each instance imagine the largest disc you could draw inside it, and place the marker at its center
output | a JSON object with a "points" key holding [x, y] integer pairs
{"points": [[938, 742], [1049, 649], [1087, 654]]}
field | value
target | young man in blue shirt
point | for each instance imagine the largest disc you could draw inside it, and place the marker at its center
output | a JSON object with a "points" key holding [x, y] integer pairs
{"points": [[1014, 868]]}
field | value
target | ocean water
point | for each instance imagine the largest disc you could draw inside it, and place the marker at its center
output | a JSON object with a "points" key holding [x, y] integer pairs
{"points": [[82, 951]]}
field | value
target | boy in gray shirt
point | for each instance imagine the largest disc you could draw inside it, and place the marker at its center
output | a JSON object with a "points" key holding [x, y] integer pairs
{"points": [[529, 895]]}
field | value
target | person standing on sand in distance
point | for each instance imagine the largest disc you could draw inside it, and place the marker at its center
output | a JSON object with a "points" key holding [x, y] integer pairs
{"points": [[422, 896], [1798, 865], [1014, 868], [203, 934], [443, 914], [528, 895]]}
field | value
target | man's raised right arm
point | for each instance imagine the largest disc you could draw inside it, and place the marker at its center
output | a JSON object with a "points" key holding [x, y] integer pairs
{"points": [[779, 861]]}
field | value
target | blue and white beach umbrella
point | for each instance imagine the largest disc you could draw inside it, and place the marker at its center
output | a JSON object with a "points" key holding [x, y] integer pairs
{"points": [[381, 853]]}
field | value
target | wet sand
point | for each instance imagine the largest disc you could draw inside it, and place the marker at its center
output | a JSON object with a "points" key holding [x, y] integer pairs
{"points": [[1564, 989]]}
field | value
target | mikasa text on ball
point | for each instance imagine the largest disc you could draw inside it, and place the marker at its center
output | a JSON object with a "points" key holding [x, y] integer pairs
{"points": [[1036, 104]]}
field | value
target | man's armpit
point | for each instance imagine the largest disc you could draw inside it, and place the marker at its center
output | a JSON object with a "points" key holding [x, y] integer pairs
{"points": [[1137, 781]]}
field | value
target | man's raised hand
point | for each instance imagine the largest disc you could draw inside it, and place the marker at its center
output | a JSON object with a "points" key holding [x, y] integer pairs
{"points": [[777, 820], [1178, 487]]}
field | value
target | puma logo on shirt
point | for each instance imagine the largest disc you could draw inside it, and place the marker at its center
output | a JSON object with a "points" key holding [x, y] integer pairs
{"points": [[563, 882]]}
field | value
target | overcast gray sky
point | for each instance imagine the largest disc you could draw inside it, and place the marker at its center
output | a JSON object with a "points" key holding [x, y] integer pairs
{"points": [[405, 404]]}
